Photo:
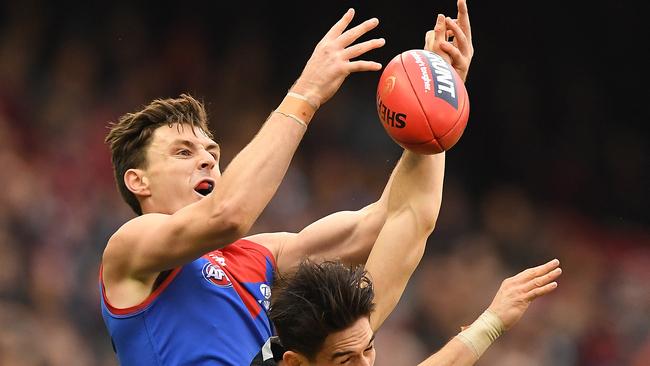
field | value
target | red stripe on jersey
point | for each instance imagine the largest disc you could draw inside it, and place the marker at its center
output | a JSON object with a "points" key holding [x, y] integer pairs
{"points": [[143, 304], [244, 267]]}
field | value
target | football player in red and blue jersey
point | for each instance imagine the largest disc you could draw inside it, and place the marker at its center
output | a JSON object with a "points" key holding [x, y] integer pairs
{"points": [[179, 285]]}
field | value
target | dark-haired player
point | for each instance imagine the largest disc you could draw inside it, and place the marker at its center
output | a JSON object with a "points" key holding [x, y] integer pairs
{"points": [[327, 314]]}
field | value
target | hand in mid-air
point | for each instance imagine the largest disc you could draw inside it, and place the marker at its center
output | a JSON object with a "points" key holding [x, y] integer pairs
{"points": [[459, 52], [330, 63], [517, 292]]}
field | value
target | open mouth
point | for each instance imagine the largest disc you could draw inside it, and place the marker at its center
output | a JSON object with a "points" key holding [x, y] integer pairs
{"points": [[204, 188]]}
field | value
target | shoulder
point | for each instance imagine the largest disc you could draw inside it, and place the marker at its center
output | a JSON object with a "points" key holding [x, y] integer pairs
{"points": [[122, 243], [140, 223], [133, 229], [273, 242]]}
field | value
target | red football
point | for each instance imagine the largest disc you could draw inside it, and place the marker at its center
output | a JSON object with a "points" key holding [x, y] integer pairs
{"points": [[422, 102]]}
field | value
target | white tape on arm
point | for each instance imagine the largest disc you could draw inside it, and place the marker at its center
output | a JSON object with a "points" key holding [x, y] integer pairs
{"points": [[480, 335]]}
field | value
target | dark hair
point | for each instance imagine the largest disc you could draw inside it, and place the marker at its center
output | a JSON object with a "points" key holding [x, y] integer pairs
{"points": [[131, 134], [319, 299]]}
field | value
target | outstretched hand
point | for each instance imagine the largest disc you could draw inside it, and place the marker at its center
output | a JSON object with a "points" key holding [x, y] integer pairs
{"points": [[459, 52], [331, 63], [517, 292]]}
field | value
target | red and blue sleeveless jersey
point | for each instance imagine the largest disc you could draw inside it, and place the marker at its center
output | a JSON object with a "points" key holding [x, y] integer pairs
{"points": [[212, 311]]}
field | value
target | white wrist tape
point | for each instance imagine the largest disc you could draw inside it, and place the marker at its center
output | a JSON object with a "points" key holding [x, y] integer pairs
{"points": [[480, 335], [300, 96]]}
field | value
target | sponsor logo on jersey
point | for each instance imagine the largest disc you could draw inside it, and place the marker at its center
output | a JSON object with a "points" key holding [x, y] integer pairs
{"points": [[215, 275], [443, 77], [265, 290]]}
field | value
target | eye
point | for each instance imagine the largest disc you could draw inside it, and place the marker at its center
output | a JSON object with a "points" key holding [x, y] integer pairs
{"points": [[214, 155], [369, 348], [346, 360], [184, 152]]}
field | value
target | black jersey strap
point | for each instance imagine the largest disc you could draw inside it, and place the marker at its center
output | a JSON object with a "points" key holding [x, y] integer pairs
{"points": [[270, 354]]}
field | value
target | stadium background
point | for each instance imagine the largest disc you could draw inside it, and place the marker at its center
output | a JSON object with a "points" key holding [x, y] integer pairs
{"points": [[554, 162]]}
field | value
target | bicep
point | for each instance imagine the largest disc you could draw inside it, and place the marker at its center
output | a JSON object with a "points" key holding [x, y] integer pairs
{"points": [[345, 235], [156, 242]]}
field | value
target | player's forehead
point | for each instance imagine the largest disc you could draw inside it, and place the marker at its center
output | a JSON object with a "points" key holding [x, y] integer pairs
{"points": [[181, 134], [351, 340]]}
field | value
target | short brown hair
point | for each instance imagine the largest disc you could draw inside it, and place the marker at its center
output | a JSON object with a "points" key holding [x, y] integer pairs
{"points": [[131, 135], [319, 299]]}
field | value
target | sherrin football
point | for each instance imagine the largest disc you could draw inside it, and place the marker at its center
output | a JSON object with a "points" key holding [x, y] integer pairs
{"points": [[422, 102]]}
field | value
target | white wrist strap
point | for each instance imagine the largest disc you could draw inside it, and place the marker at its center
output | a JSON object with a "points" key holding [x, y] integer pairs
{"points": [[480, 335], [300, 96]]}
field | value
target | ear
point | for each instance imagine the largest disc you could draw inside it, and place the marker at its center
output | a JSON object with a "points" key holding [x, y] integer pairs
{"points": [[291, 358], [137, 182]]}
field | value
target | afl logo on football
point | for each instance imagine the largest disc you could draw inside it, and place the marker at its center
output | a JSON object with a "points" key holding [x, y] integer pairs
{"points": [[389, 85], [215, 275]]}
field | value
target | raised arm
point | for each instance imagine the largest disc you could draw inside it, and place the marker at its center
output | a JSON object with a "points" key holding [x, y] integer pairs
{"points": [[156, 242], [508, 306], [344, 235], [350, 235], [413, 206], [414, 198]]}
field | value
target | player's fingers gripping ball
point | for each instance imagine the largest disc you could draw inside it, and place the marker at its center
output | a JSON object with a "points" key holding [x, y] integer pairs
{"points": [[422, 102]]}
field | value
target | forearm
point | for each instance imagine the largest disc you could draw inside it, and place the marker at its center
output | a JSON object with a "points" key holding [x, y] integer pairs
{"points": [[412, 209], [415, 182], [470, 344], [254, 175], [417, 185], [454, 353]]}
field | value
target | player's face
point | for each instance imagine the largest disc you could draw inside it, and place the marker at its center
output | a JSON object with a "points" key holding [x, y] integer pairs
{"points": [[353, 346], [182, 167]]}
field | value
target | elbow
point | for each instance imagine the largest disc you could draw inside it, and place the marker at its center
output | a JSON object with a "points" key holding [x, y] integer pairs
{"points": [[236, 230], [428, 225], [425, 222], [427, 217], [231, 221]]}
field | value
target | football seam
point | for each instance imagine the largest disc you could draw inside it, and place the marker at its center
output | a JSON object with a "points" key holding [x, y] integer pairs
{"points": [[408, 77], [437, 139], [459, 116]]}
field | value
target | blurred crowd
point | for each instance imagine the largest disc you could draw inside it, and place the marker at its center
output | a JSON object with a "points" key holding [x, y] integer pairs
{"points": [[60, 86]]}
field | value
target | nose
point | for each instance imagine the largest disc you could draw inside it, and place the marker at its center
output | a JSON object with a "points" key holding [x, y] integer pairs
{"points": [[207, 161]]}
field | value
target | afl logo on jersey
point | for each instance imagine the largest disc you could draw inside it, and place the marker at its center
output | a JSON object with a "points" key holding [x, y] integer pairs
{"points": [[213, 274]]}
